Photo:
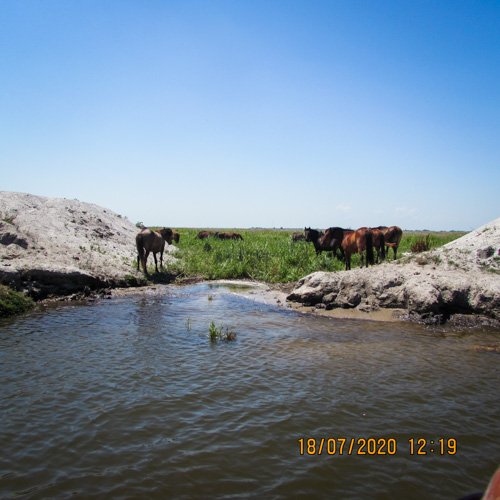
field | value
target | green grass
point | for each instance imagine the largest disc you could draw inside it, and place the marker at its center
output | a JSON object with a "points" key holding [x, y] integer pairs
{"points": [[435, 239], [267, 255], [12, 302]]}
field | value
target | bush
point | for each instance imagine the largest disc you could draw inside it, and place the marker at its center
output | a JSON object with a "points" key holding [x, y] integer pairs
{"points": [[12, 302], [421, 245]]}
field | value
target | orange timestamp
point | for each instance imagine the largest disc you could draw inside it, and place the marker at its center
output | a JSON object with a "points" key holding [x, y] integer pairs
{"points": [[376, 446]]}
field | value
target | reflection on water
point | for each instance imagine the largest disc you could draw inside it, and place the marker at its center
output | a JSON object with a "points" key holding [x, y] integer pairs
{"points": [[129, 398]]}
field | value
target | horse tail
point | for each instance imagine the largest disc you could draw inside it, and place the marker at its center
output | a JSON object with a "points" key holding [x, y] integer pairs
{"points": [[140, 249], [382, 245], [369, 248]]}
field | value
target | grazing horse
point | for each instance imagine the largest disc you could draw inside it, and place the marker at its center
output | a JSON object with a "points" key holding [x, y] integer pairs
{"points": [[298, 237], [152, 241], [175, 236], [359, 241], [378, 244], [392, 236], [204, 234], [228, 236], [330, 239]]}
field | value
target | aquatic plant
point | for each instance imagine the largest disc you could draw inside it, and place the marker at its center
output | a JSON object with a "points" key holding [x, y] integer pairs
{"points": [[220, 333]]}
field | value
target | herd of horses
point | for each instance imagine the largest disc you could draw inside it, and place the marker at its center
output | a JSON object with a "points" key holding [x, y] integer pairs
{"points": [[343, 243], [216, 234]]}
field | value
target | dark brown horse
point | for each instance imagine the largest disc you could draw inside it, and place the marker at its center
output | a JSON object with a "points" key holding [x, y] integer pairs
{"points": [[204, 234], [328, 240], [392, 236], [378, 244], [298, 237], [359, 241], [175, 236], [152, 241], [228, 236]]}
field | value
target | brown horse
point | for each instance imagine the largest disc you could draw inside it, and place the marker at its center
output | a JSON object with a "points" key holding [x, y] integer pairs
{"points": [[152, 241], [359, 241], [329, 240], [378, 244], [392, 236], [298, 237], [204, 234], [176, 236], [228, 236]]}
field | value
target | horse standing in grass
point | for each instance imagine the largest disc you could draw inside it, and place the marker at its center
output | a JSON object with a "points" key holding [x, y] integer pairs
{"points": [[378, 244], [228, 236], [329, 240], [204, 234], [152, 241], [359, 241], [392, 236], [176, 236], [298, 237], [315, 237]]}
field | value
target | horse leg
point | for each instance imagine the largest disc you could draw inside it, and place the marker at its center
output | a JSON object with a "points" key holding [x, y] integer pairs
{"points": [[161, 258], [347, 257], [145, 262], [138, 260], [156, 262]]}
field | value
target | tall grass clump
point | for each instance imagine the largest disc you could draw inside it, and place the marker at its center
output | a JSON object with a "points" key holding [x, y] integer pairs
{"points": [[220, 333], [421, 241]]}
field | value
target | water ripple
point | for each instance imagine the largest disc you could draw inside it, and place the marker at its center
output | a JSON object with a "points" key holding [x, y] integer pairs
{"points": [[129, 399]]}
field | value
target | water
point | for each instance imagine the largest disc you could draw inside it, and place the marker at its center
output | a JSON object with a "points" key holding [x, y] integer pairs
{"points": [[128, 398]]}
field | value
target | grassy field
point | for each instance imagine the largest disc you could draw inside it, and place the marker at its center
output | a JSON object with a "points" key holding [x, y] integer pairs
{"points": [[268, 255]]}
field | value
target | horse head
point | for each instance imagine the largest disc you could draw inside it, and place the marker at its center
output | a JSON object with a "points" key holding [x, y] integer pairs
{"points": [[167, 234], [311, 234]]}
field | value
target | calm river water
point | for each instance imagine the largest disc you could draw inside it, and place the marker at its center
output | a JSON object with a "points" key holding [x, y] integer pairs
{"points": [[128, 398]]}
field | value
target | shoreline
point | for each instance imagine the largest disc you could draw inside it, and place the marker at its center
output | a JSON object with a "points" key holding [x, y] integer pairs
{"points": [[273, 295]]}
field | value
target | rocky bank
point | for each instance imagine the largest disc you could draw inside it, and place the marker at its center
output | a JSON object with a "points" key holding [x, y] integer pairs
{"points": [[56, 246], [459, 281]]}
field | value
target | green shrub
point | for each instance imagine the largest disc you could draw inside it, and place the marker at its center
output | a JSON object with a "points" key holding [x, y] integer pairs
{"points": [[12, 302]]}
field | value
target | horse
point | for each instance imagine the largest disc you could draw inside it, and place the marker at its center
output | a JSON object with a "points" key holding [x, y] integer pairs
{"points": [[204, 234], [314, 236], [378, 243], [152, 241], [228, 236], [175, 236], [392, 236], [333, 237], [298, 237], [359, 241], [330, 239]]}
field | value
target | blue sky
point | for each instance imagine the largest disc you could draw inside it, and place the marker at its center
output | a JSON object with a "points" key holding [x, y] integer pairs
{"points": [[256, 113]]}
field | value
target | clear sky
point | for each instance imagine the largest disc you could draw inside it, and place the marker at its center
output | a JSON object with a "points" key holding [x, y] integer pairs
{"points": [[241, 113]]}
